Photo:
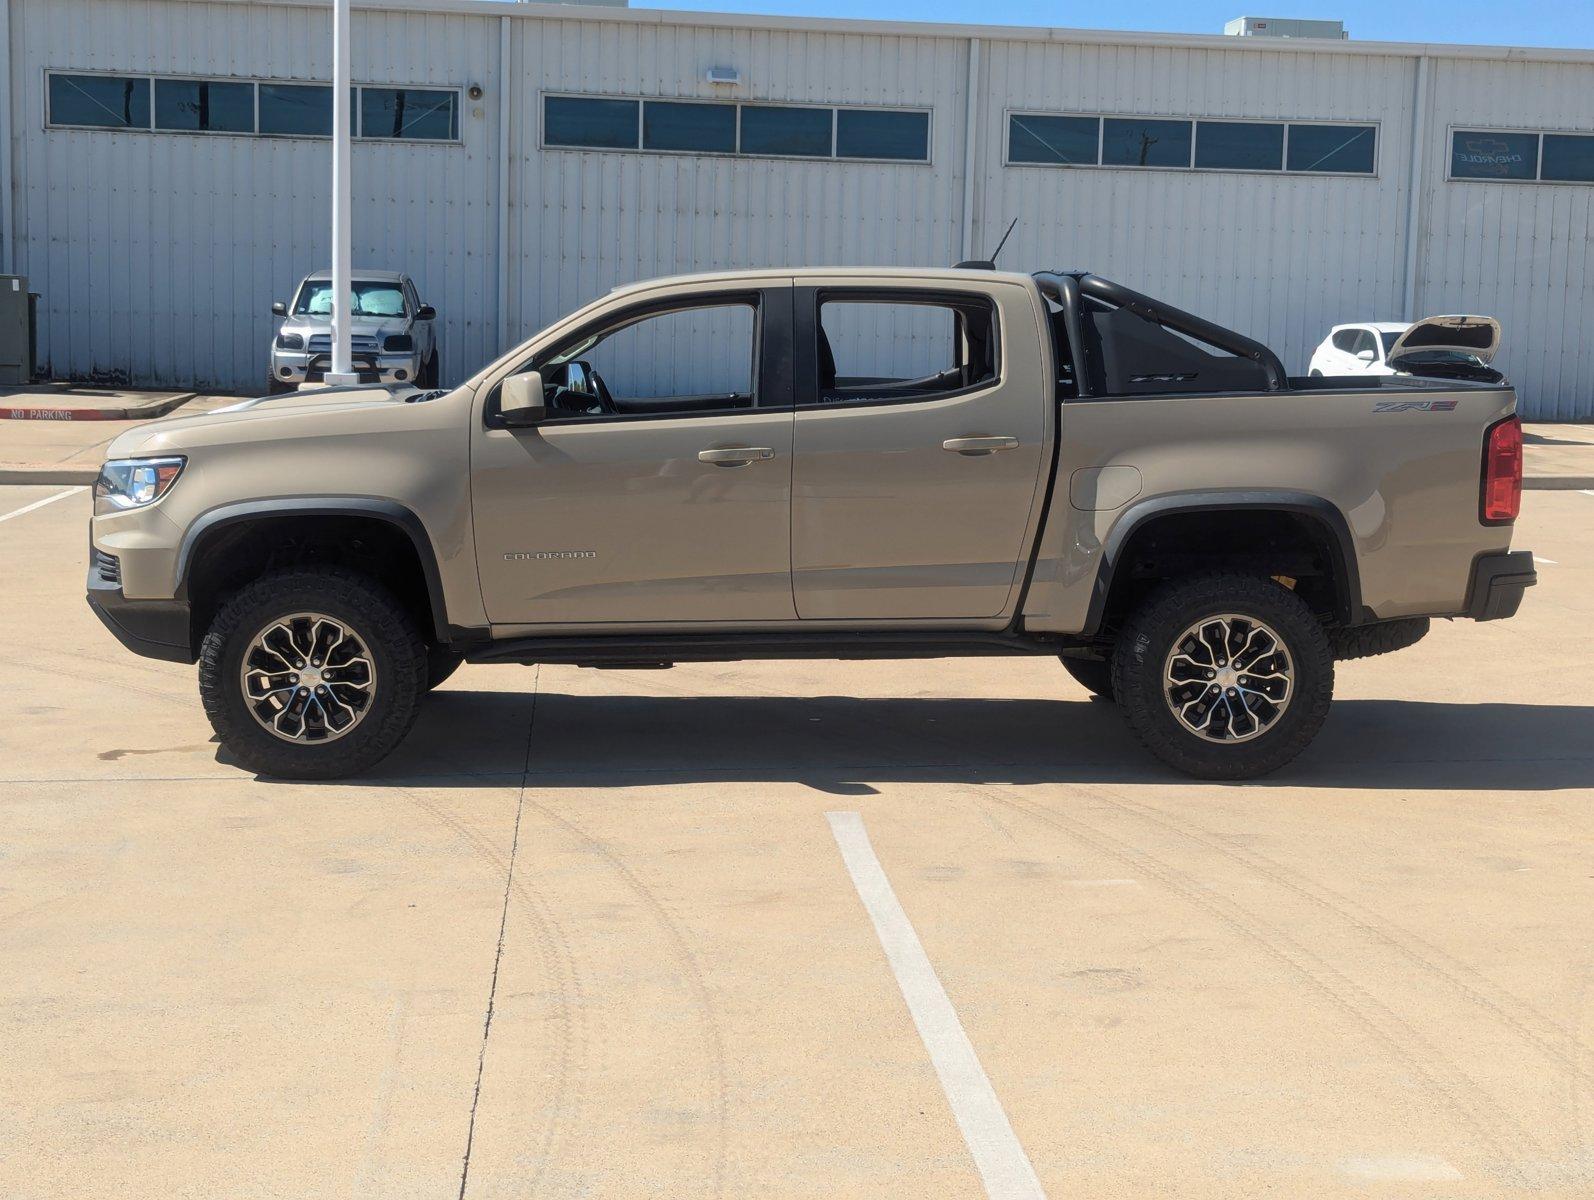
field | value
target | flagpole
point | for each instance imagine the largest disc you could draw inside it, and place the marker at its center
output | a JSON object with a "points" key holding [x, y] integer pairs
{"points": [[342, 208]]}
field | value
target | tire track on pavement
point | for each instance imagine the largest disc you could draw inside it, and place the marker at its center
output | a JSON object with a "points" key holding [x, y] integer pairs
{"points": [[1470, 1103], [560, 967], [713, 1036], [1555, 1042]]}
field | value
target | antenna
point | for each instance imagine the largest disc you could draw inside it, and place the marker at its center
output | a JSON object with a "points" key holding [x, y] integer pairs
{"points": [[987, 264], [1003, 242]]}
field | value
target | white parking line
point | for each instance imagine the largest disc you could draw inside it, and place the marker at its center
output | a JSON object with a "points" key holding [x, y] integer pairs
{"points": [[27, 508], [1001, 1161], [1549, 562]]}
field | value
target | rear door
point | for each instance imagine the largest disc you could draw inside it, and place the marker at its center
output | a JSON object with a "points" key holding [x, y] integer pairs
{"points": [[918, 448]]}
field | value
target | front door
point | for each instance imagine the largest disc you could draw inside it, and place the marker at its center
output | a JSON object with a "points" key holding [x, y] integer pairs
{"points": [[919, 446], [658, 490]]}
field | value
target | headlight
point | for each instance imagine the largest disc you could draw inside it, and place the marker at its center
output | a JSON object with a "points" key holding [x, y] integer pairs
{"points": [[401, 343], [135, 482], [290, 341]]}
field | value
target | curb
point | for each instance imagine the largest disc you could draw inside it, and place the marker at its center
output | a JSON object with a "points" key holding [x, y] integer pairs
{"points": [[23, 473], [137, 412]]}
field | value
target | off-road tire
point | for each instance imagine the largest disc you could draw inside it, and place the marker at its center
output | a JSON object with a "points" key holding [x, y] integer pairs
{"points": [[1092, 674], [440, 664], [429, 372], [1384, 637], [1148, 637], [389, 635], [275, 386]]}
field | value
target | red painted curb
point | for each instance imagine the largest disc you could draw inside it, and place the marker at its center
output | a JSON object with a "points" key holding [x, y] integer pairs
{"points": [[140, 412], [66, 414]]}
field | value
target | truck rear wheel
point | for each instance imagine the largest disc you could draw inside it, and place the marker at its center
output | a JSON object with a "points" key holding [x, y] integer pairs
{"points": [[1383, 637], [312, 674], [1224, 676]]}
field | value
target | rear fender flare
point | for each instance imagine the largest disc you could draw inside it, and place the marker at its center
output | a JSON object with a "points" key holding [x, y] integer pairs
{"points": [[1347, 579]]}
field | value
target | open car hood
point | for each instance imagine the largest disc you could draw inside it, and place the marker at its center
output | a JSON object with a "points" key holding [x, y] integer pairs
{"points": [[1477, 336]]}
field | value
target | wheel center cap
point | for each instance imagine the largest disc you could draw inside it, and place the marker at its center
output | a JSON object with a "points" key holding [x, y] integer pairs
{"points": [[311, 677], [1227, 678]]}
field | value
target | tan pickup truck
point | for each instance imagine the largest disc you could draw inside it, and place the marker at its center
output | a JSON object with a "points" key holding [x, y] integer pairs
{"points": [[836, 463]]}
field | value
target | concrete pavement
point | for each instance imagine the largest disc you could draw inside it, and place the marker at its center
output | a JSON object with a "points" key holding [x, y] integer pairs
{"points": [[589, 933]]}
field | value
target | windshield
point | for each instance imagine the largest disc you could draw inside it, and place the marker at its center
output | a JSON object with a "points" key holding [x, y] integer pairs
{"points": [[370, 299]]}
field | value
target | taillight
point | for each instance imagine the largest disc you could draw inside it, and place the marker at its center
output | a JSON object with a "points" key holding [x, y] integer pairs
{"points": [[1502, 473]]}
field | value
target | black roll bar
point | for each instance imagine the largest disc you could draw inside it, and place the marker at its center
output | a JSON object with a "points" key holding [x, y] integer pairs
{"points": [[1067, 288]]}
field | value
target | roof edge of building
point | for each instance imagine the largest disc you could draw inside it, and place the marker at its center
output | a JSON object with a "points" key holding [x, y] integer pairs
{"points": [[932, 29]]}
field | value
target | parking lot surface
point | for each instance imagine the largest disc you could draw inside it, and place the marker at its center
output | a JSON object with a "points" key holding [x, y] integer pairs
{"points": [[598, 934]]}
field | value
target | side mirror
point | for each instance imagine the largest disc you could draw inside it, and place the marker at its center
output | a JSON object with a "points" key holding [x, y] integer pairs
{"points": [[426, 313], [521, 402], [278, 308], [1366, 355]]}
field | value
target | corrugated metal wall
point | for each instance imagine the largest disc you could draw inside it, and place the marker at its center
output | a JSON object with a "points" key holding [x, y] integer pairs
{"points": [[159, 255], [1278, 257], [1519, 251], [585, 221]]}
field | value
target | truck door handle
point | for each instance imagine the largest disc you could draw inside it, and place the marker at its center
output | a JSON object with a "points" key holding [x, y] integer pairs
{"points": [[979, 445], [735, 456]]}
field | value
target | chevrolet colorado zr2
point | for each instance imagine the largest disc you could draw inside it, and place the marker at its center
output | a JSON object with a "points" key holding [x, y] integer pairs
{"points": [[820, 463]]}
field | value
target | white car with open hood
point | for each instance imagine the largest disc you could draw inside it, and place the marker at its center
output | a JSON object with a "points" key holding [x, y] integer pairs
{"points": [[1449, 346]]}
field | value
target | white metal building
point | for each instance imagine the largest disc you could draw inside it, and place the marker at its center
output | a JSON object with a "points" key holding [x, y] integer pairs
{"points": [[166, 178]]}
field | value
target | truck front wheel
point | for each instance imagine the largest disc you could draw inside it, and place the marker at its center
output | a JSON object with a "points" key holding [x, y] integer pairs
{"points": [[312, 674], [1092, 674], [1224, 676]]}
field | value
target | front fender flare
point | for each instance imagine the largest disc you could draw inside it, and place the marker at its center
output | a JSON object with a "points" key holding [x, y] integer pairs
{"points": [[389, 511]]}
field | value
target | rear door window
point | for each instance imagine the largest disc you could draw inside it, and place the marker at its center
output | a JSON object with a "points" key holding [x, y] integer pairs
{"points": [[894, 347]]}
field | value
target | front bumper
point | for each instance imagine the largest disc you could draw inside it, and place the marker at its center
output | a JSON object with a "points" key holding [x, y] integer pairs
{"points": [[1498, 581], [151, 628], [290, 368]]}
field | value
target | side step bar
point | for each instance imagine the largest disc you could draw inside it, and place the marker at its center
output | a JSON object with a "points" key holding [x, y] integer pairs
{"points": [[659, 650]]}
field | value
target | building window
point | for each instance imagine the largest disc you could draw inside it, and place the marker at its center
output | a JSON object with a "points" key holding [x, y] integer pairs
{"points": [[678, 125], [1239, 146], [1067, 140], [1139, 142], [247, 106], [1521, 156], [99, 101], [1332, 149], [787, 132], [590, 123], [202, 106], [409, 114], [1063, 141], [882, 133], [1568, 158], [727, 127], [296, 109], [1482, 154]]}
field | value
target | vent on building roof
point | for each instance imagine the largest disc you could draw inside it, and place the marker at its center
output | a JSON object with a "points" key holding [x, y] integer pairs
{"points": [[1285, 27]]}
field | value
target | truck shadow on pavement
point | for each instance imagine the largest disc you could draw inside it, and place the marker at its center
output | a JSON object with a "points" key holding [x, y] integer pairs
{"points": [[844, 744]]}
